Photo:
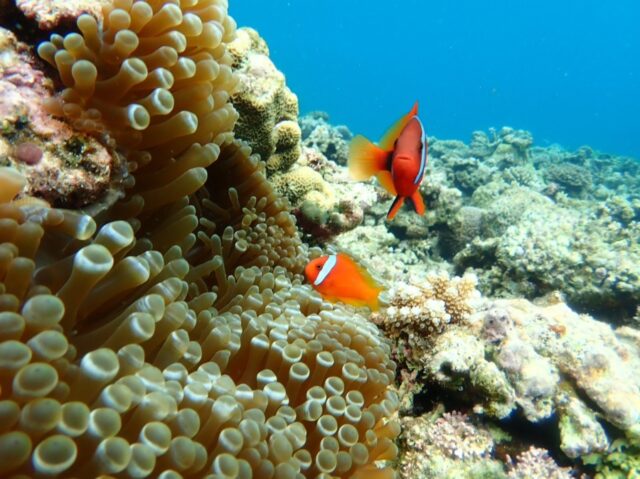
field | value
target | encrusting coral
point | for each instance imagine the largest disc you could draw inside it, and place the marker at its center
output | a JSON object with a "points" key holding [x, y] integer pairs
{"points": [[171, 335]]}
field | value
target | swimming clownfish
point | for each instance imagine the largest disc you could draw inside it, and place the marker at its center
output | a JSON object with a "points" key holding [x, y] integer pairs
{"points": [[338, 278], [399, 162]]}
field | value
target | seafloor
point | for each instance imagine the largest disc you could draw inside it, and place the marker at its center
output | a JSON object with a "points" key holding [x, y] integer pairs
{"points": [[159, 199]]}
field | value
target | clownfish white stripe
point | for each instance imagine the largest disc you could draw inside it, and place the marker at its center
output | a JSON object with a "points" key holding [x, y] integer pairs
{"points": [[423, 153], [326, 269]]}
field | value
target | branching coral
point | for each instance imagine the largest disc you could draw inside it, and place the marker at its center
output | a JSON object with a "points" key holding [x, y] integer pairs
{"points": [[537, 464], [178, 340], [417, 313]]}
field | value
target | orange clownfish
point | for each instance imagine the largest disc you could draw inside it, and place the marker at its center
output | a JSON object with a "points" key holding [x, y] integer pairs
{"points": [[399, 162], [338, 278]]}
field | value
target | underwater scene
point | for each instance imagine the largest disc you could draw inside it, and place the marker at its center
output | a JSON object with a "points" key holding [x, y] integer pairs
{"points": [[299, 240]]}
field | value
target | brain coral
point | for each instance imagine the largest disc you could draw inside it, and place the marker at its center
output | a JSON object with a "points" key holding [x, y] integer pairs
{"points": [[171, 335]]}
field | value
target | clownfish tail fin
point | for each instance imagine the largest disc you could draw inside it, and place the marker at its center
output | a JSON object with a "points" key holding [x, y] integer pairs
{"points": [[418, 202], [395, 207], [374, 305], [365, 158]]}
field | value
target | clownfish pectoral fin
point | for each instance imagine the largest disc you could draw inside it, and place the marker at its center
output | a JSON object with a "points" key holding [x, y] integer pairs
{"points": [[365, 158], [418, 202], [395, 207], [388, 140], [386, 180]]}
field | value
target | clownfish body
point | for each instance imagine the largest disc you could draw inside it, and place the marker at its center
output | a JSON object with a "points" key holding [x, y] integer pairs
{"points": [[338, 278], [399, 162]]}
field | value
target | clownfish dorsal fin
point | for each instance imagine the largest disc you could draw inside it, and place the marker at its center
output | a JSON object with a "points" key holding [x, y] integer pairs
{"points": [[386, 180], [364, 274], [388, 140]]}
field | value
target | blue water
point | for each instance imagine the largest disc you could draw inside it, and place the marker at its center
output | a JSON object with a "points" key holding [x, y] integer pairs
{"points": [[567, 70]]}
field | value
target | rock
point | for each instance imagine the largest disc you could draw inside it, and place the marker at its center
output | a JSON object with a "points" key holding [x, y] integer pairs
{"points": [[50, 14], [64, 167]]}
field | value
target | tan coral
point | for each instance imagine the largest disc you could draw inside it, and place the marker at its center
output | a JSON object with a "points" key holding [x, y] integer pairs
{"points": [[268, 109], [304, 184]]}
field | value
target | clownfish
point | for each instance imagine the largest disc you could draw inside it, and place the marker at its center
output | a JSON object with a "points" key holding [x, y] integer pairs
{"points": [[399, 162], [338, 278]]}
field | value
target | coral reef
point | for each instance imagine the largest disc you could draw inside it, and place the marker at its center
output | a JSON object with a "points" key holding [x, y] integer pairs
{"points": [[170, 335], [530, 220], [297, 184], [535, 246], [454, 445], [622, 460], [62, 166], [447, 446], [571, 178], [337, 204], [540, 360], [268, 109], [331, 141]]}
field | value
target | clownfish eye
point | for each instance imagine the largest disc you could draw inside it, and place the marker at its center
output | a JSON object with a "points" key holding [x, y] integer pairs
{"points": [[318, 267]]}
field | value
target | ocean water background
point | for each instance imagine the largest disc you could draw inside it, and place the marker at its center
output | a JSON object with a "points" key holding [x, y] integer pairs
{"points": [[569, 70]]}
